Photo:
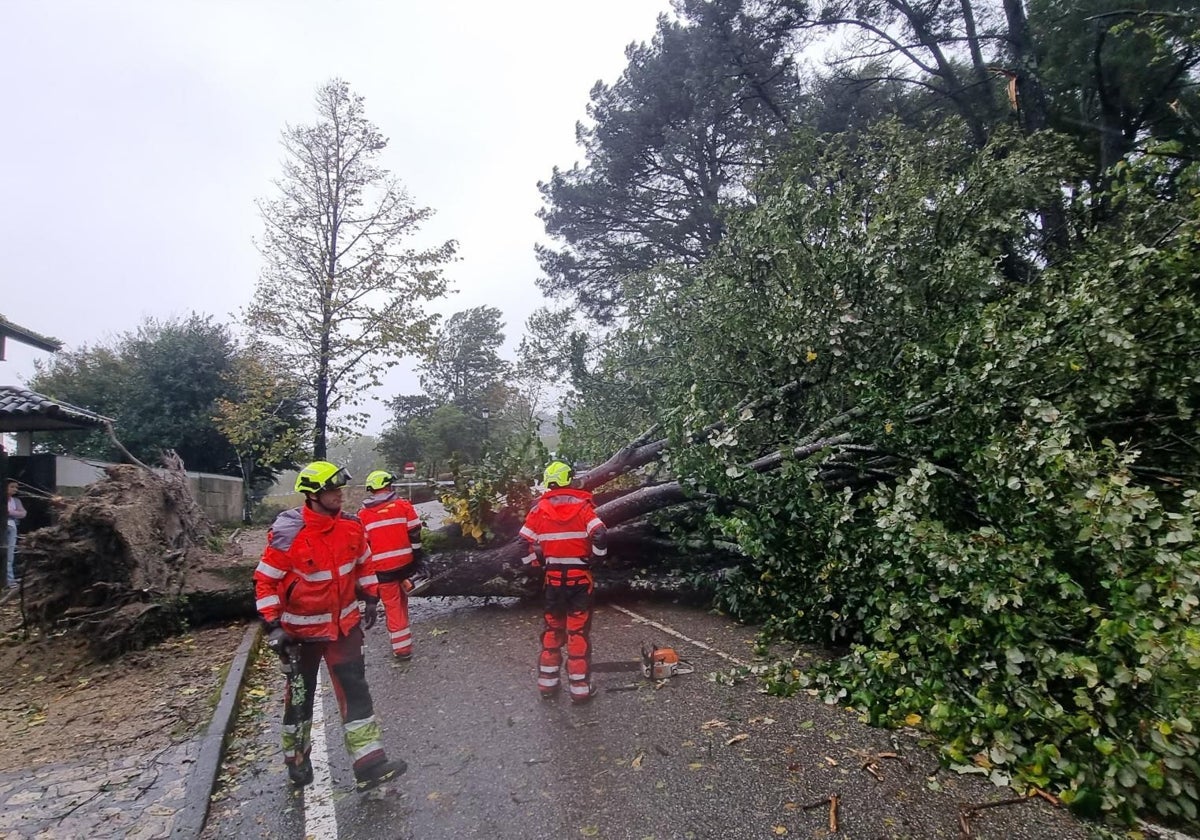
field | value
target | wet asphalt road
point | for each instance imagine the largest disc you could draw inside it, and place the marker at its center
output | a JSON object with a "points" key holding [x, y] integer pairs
{"points": [[689, 758]]}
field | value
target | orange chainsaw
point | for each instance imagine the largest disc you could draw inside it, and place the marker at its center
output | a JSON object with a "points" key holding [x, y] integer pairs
{"points": [[659, 663]]}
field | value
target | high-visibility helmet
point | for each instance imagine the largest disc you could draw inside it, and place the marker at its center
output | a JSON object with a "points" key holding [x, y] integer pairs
{"points": [[321, 475], [380, 479], [557, 474]]}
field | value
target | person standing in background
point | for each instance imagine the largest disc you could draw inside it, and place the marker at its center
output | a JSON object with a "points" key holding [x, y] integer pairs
{"points": [[394, 531], [16, 512]]}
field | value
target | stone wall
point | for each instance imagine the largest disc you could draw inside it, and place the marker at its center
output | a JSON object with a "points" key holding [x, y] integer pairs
{"points": [[219, 496]]}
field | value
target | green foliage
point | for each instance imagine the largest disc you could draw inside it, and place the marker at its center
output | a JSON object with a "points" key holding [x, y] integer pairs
{"points": [[1116, 71], [668, 145], [491, 499], [400, 442], [340, 296], [972, 466], [462, 362], [1016, 579], [159, 384], [1058, 650], [264, 417], [938, 386]]}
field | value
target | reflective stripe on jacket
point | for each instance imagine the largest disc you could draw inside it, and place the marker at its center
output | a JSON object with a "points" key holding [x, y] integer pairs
{"points": [[311, 573], [564, 528], [393, 530]]}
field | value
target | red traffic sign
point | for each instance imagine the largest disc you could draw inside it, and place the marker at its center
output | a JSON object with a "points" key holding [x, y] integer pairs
{"points": [[410, 468]]}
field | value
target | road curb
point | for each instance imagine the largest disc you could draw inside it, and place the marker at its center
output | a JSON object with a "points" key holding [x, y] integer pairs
{"points": [[189, 820]]}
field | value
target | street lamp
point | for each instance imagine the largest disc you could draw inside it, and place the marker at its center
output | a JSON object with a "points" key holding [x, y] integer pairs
{"points": [[485, 414]]}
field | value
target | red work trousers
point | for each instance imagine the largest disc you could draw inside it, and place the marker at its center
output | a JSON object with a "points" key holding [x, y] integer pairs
{"points": [[394, 595], [567, 620]]}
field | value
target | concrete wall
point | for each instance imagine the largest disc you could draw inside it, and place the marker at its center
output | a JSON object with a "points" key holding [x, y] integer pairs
{"points": [[219, 496]]}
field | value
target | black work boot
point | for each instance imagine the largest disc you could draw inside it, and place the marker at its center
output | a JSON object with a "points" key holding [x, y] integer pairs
{"points": [[378, 773], [301, 774]]}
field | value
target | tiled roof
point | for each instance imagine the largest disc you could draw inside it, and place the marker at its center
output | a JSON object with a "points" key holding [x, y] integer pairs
{"points": [[22, 410]]}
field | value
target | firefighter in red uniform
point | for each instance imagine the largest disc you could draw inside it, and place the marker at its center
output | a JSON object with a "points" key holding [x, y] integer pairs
{"points": [[564, 533], [313, 571], [394, 531]]}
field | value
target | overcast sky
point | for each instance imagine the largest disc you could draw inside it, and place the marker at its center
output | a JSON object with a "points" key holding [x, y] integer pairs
{"points": [[138, 133]]}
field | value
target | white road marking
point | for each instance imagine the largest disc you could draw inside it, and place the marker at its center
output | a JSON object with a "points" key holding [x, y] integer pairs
{"points": [[678, 635], [320, 816]]}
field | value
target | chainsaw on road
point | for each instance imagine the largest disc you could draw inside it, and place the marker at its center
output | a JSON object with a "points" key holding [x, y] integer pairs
{"points": [[663, 663], [423, 585]]}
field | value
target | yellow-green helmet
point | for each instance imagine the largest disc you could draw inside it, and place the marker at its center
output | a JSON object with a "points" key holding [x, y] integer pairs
{"points": [[557, 474], [380, 479], [321, 475]]}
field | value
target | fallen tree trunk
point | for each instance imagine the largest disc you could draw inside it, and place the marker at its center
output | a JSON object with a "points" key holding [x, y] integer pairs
{"points": [[129, 563], [640, 560]]}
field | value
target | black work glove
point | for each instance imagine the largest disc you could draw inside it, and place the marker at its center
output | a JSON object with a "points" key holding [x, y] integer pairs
{"points": [[278, 640], [370, 613]]}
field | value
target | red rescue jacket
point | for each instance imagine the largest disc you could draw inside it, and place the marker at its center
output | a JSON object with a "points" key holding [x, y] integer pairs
{"points": [[393, 530], [564, 529], [311, 574]]}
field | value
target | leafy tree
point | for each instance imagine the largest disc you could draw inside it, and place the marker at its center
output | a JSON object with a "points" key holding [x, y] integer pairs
{"points": [[1110, 73], [358, 454], [938, 46], [848, 100], [265, 418], [925, 462], [400, 442], [340, 295], [1116, 72], [160, 384], [90, 377], [463, 359], [448, 437], [673, 141]]}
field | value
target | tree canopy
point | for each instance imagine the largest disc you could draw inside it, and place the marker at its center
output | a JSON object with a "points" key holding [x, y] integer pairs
{"points": [[265, 417], [463, 360], [935, 380], [163, 384], [677, 137], [473, 398], [340, 297]]}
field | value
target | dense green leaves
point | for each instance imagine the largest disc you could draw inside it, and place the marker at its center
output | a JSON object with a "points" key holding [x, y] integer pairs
{"points": [[463, 361], [940, 385], [1025, 584], [676, 139], [159, 384], [981, 480]]}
